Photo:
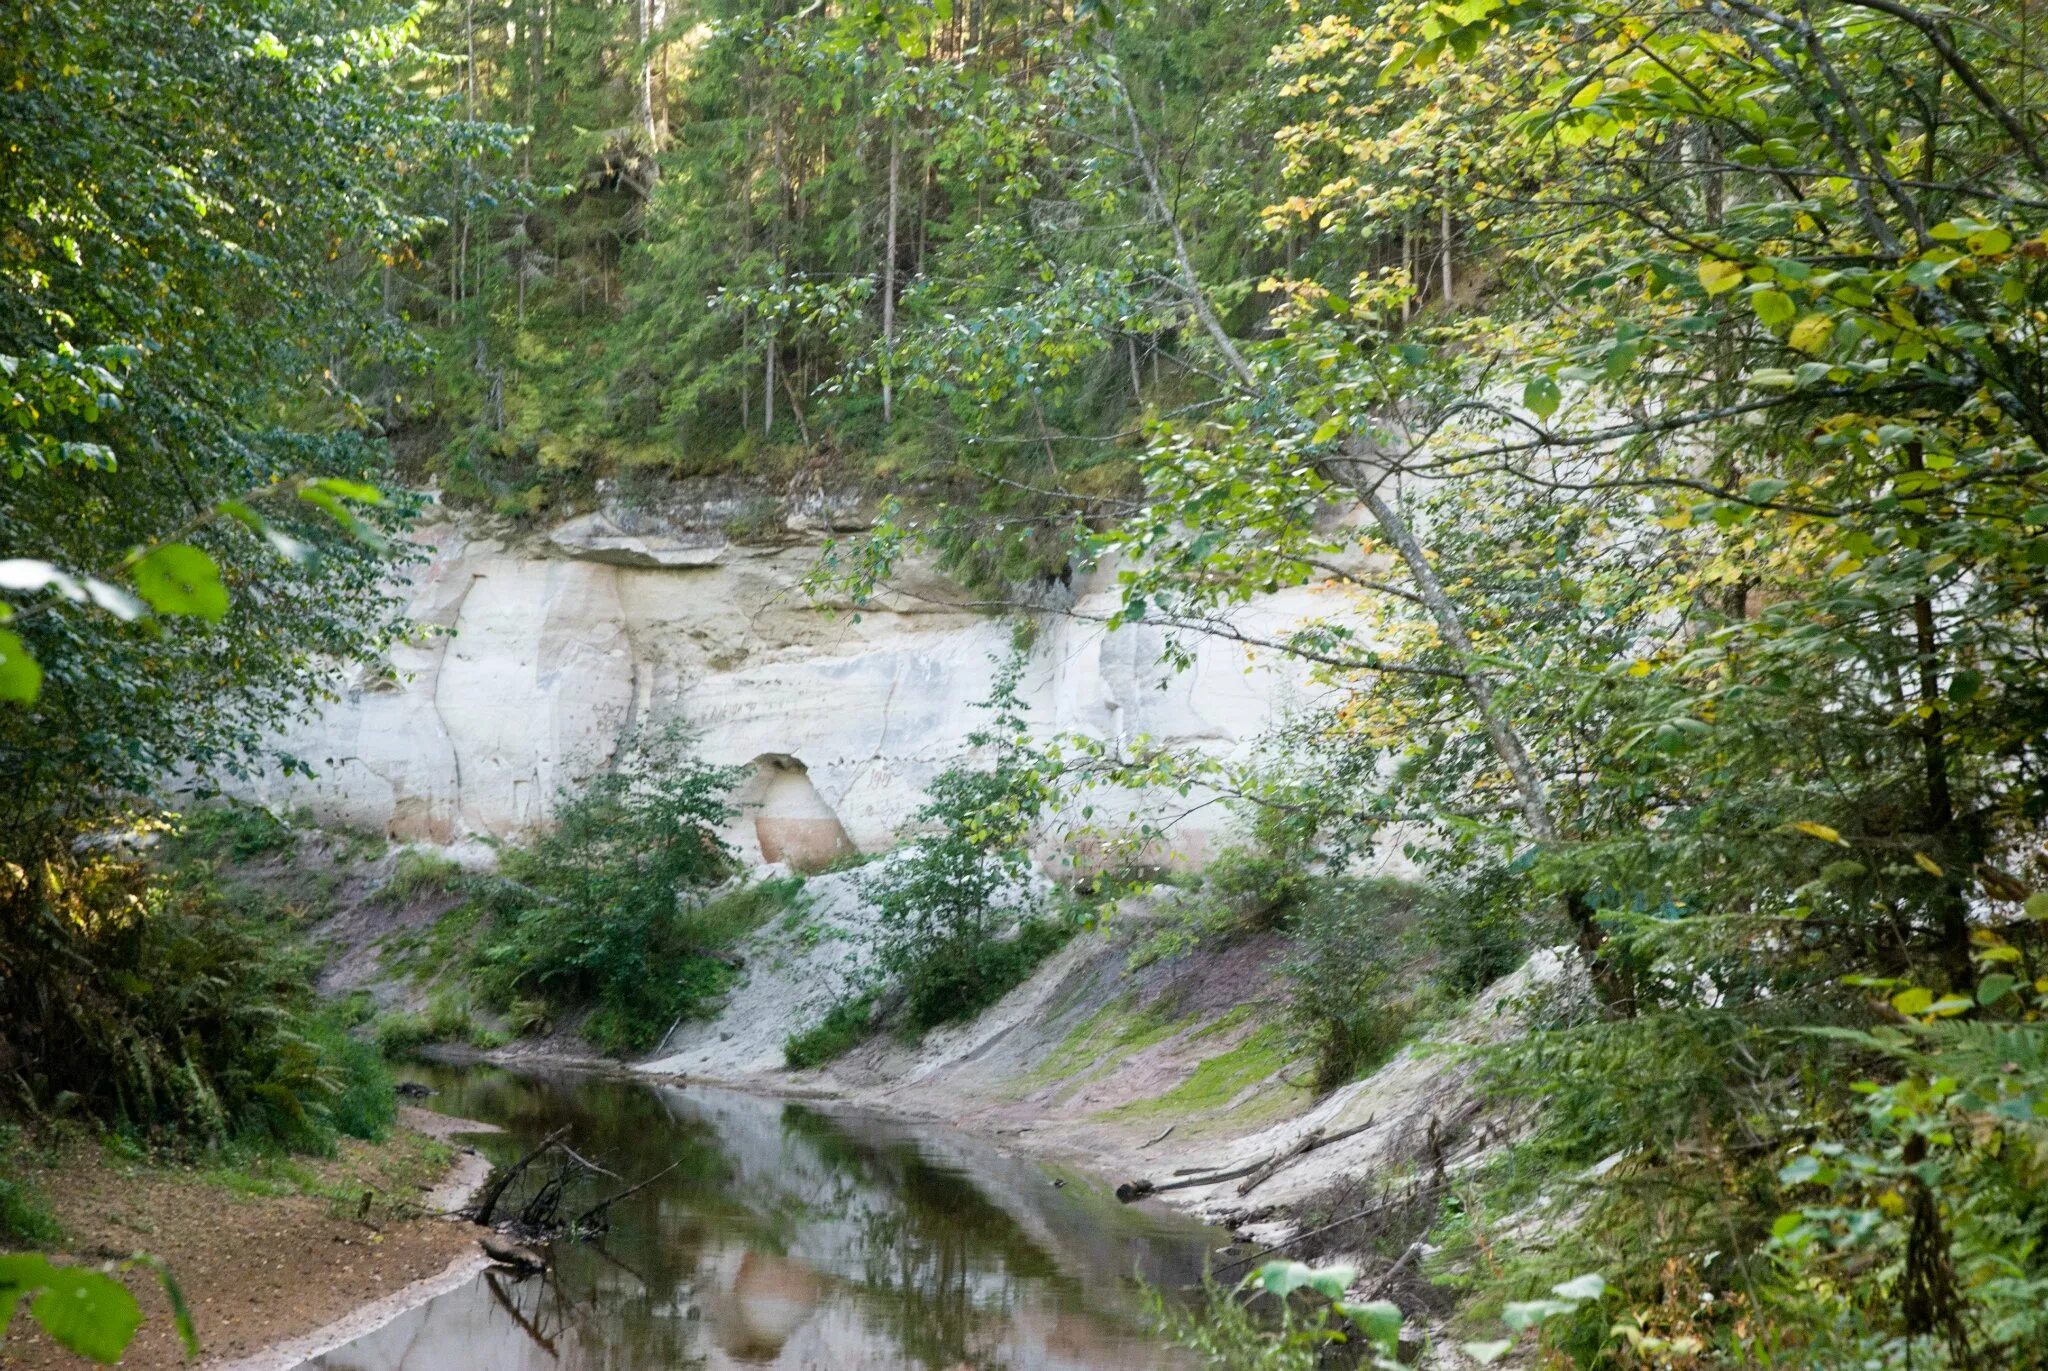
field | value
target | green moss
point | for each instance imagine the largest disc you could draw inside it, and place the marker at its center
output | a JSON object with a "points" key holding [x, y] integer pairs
{"points": [[1218, 1081]]}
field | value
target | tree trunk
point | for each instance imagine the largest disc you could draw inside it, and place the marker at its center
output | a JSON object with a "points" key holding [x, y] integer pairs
{"points": [[889, 278], [646, 93], [1363, 473], [1445, 234]]}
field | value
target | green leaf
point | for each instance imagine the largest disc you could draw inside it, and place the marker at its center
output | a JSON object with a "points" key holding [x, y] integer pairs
{"points": [[1487, 1353], [1284, 1278], [85, 1311], [1590, 1286], [1526, 1314], [181, 1312], [1332, 1281], [1542, 396], [1994, 988], [2037, 905], [1799, 1170], [21, 679], [178, 578], [1773, 307], [1378, 1320]]}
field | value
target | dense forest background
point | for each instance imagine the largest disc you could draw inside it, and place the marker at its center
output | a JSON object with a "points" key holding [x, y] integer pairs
{"points": [[1656, 386]]}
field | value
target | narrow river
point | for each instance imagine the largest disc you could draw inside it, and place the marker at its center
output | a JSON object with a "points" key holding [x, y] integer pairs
{"points": [[794, 1235]]}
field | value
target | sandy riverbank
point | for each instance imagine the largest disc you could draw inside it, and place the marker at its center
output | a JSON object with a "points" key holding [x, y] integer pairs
{"points": [[272, 1257]]}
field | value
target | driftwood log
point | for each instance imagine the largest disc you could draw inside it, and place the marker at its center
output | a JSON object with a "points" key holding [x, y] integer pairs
{"points": [[507, 1253], [1253, 1173]]}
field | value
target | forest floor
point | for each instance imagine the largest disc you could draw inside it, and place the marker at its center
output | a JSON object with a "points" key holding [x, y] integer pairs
{"points": [[265, 1251]]}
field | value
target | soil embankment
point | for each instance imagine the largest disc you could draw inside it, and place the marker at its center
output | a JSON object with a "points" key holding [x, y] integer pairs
{"points": [[269, 1253]]}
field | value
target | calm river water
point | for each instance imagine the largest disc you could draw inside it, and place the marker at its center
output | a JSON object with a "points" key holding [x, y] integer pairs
{"points": [[794, 1235]]}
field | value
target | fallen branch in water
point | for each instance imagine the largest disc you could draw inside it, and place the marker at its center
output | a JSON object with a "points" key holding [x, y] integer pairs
{"points": [[602, 1205], [487, 1203]]}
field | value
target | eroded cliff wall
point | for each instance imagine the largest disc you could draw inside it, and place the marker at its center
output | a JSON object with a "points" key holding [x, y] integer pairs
{"points": [[541, 653]]}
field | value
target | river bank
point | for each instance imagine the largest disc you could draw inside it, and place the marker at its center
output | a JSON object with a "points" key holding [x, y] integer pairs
{"points": [[270, 1253]]}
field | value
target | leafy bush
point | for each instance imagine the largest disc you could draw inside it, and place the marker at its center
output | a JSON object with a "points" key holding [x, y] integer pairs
{"points": [[1354, 984], [174, 1013], [845, 1024], [363, 1104], [944, 905], [1248, 888], [610, 908], [1241, 890], [231, 831], [1477, 924], [418, 872]]}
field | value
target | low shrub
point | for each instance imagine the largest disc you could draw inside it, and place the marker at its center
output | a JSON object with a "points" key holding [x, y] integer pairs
{"points": [[450, 1017], [1356, 982], [956, 922], [844, 1026], [617, 908], [419, 873], [363, 1104], [230, 831], [149, 1004]]}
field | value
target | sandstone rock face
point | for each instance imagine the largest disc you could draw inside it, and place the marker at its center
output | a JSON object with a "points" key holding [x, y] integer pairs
{"points": [[540, 657]]}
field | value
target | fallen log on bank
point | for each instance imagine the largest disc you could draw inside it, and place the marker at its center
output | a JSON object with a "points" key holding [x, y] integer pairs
{"points": [[1253, 1173]]}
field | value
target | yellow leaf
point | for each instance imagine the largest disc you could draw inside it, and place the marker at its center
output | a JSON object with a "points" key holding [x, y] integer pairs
{"points": [[1811, 334], [1914, 1001], [1820, 831], [1641, 668], [1720, 277], [1678, 518], [1927, 863]]}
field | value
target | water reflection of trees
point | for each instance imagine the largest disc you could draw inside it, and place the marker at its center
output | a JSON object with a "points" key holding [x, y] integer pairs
{"points": [[786, 1227]]}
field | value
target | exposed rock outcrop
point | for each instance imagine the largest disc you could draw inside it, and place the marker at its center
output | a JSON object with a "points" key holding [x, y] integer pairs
{"points": [[540, 656]]}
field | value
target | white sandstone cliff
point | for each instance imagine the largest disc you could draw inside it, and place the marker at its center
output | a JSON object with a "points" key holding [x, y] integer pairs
{"points": [[541, 654]]}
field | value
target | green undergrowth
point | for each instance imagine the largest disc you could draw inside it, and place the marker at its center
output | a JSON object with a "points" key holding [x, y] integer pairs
{"points": [[392, 1174], [187, 1016], [845, 1026], [620, 918], [420, 874], [25, 1217]]}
